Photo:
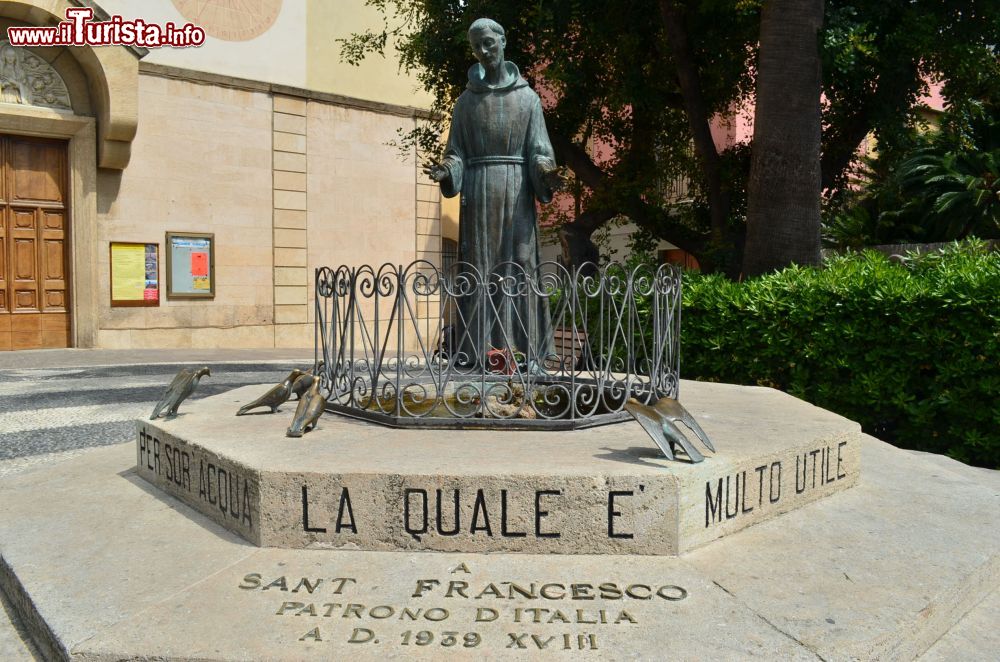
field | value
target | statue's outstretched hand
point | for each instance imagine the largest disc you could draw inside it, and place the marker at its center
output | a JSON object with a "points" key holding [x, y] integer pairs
{"points": [[552, 175], [436, 171]]}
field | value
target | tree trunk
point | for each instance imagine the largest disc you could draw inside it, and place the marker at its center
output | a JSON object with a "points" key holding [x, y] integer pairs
{"points": [[783, 192], [575, 238], [698, 118]]}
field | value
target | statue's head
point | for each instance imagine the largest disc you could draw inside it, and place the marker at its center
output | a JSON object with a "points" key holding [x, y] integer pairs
{"points": [[488, 40], [10, 55]]}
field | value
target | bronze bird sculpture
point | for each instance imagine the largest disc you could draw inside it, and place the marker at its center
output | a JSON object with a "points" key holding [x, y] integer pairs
{"points": [[310, 408], [276, 396], [180, 388], [659, 423], [301, 385]]}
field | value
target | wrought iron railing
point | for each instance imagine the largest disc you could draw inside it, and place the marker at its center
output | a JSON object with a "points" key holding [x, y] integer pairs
{"points": [[547, 349]]}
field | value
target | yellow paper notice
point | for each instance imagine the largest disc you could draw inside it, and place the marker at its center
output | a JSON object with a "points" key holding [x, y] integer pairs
{"points": [[128, 272]]}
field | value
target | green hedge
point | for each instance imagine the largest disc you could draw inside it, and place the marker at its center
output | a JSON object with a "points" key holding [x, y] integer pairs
{"points": [[910, 350]]}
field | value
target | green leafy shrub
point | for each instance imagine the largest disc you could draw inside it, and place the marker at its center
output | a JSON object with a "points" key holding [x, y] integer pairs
{"points": [[909, 349], [944, 185]]}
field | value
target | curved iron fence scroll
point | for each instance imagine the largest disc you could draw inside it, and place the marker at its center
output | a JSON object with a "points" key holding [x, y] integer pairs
{"points": [[409, 345]]}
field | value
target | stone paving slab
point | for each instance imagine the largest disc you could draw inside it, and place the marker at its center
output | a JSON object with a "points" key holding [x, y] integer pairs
{"points": [[85, 541], [988, 477], [367, 610], [877, 572], [972, 637], [59, 359], [22, 464], [15, 642]]}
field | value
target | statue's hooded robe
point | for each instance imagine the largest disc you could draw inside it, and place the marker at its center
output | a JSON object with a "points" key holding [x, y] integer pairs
{"points": [[496, 151]]}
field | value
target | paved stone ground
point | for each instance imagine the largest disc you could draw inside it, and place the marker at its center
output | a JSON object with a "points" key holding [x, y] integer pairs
{"points": [[75, 358], [58, 403], [15, 643], [977, 632]]}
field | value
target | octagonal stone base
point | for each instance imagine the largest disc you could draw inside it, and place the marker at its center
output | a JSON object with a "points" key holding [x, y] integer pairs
{"points": [[607, 490]]}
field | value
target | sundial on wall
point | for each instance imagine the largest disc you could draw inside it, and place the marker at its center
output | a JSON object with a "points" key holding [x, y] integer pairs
{"points": [[231, 20]]}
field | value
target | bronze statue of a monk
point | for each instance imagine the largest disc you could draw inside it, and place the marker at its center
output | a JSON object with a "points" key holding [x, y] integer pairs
{"points": [[500, 160]]}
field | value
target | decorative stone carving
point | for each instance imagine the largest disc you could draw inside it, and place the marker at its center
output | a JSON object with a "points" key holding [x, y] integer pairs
{"points": [[112, 81], [27, 79]]}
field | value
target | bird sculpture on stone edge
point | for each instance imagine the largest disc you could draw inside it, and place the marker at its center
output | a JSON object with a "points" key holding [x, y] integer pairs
{"points": [[180, 388], [659, 423], [311, 407], [301, 385], [276, 396]]}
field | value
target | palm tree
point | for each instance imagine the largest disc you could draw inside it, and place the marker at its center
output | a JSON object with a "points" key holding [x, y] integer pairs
{"points": [[953, 193], [783, 192]]}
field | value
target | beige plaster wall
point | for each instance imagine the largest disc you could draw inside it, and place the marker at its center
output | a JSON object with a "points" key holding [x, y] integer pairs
{"points": [[201, 162], [300, 49], [362, 193], [362, 201], [376, 78], [278, 55]]}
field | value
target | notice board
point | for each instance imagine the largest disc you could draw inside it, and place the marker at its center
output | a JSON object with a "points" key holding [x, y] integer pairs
{"points": [[135, 269], [190, 265]]}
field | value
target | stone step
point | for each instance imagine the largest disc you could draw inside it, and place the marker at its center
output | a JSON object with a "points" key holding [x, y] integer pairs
{"points": [[108, 568], [988, 477], [877, 572], [972, 637], [15, 642], [604, 490]]}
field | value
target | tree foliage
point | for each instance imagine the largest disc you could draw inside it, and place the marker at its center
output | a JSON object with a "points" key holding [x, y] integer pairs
{"points": [[607, 79], [621, 118], [942, 184], [878, 61]]}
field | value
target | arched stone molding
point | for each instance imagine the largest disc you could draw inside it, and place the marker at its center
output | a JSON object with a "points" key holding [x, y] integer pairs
{"points": [[111, 79], [28, 79], [102, 84]]}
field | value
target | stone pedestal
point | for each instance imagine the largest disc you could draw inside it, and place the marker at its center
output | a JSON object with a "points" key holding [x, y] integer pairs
{"points": [[605, 490], [101, 566]]}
